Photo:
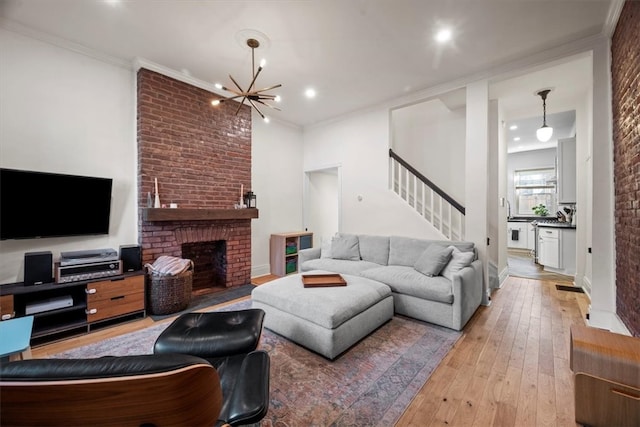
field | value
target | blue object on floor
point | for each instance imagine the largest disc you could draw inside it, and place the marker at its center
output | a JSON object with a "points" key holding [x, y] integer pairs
{"points": [[15, 338]]}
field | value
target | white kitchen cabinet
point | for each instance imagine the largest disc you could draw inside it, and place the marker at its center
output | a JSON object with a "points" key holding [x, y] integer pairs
{"points": [[557, 249], [521, 229], [566, 172], [531, 237], [549, 247]]}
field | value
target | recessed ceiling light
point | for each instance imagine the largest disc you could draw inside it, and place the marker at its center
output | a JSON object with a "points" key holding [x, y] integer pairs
{"points": [[513, 127], [310, 93], [443, 35], [517, 138]]}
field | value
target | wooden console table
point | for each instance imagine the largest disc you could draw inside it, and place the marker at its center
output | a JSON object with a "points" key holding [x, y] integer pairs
{"points": [[606, 369]]}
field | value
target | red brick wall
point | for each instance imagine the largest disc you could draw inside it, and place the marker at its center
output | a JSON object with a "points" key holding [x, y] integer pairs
{"points": [[625, 74], [201, 155]]}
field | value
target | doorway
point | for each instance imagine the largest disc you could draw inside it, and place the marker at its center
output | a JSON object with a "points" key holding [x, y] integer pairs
{"points": [[322, 207]]}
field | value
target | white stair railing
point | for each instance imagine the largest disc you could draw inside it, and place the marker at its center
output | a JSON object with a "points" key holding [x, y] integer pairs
{"points": [[435, 206]]}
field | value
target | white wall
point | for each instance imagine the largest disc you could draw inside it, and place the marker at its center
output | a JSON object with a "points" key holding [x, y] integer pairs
{"points": [[64, 112], [276, 174], [360, 144], [431, 137]]}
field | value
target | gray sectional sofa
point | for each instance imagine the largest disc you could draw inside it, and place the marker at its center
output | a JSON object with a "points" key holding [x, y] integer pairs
{"points": [[437, 281]]}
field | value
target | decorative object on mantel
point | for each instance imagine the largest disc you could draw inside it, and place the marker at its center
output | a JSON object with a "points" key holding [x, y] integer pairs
{"points": [[544, 133], [250, 199], [241, 205], [252, 95], [157, 200]]}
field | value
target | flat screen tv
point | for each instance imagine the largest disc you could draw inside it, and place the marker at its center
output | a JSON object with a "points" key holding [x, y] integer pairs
{"points": [[41, 204]]}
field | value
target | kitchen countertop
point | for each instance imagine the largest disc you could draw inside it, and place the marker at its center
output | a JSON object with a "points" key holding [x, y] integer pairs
{"points": [[542, 221], [557, 225], [524, 218]]}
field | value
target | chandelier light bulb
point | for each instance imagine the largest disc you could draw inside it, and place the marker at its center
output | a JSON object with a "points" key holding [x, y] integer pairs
{"points": [[444, 35], [266, 119], [215, 102], [218, 86], [263, 62], [277, 98]]}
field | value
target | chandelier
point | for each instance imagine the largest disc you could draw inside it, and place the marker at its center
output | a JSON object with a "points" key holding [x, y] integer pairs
{"points": [[544, 133], [252, 95]]}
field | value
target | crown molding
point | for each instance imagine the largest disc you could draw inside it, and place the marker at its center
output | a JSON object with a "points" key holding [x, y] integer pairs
{"points": [[612, 18], [63, 43]]}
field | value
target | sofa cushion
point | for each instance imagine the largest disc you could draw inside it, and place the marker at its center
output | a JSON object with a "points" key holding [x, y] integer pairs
{"points": [[374, 248], [345, 246], [325, 249], [458, 261], [405, 250], [433, 260], [408, 281], [341, 266]]}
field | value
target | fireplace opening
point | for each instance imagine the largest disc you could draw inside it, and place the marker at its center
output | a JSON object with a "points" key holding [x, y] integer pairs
{"points": [[209, 265]]}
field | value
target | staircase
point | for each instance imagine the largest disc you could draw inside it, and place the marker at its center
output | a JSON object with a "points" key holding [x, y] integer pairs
{"points": [[431, 202]]}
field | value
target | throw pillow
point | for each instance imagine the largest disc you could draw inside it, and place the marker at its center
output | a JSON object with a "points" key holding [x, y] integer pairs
{"points": [[345, 247], [458, 261], [433, 260], [325, 249]]}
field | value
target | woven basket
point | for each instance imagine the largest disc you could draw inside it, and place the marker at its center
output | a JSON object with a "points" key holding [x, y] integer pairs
{"points": [[168, 294]]}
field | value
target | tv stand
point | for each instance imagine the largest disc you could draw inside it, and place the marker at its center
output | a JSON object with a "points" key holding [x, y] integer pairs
{"points": [[96, 303]]}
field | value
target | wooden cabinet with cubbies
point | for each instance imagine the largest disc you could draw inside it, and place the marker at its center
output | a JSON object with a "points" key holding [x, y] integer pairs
{"points": [[284, 249]]}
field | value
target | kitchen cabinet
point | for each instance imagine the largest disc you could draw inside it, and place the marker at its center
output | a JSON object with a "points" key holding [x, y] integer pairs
{"points": [[566, 171], [557, 249], [549, 247], [518, 235]]}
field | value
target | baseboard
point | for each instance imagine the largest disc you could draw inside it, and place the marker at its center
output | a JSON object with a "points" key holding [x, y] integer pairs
{"points": [[504, 275], [586, 285], [606, 320], [260, 270]]}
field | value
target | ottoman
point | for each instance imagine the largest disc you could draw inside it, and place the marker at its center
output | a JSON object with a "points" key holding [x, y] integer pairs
{"points": [[327, 320], [213, 335]]}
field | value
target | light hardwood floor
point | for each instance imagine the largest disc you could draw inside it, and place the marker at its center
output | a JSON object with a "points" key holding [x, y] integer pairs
{"points": [[509, 368]]}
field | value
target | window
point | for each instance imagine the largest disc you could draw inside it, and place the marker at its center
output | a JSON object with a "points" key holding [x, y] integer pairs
{"points": [[534, 187]]}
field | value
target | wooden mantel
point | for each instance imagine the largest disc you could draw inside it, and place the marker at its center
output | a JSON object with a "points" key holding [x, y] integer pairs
{"points": [[180, 214]]}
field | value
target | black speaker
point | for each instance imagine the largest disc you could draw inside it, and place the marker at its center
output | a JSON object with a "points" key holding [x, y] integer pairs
{"points": [[38, 268], [131, 257]]}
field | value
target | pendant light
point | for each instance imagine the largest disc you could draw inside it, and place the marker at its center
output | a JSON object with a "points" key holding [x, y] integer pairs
{"points": [[251, 95], [544, 133]]}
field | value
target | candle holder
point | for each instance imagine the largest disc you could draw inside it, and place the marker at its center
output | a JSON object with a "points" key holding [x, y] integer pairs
{"points": [[250, 199]]}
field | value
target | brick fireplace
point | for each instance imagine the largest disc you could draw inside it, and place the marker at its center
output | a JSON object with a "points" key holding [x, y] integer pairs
{"points": [[201, 157]]}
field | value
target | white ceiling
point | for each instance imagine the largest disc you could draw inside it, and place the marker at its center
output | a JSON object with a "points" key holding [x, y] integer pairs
{"points": [[355, 53]]}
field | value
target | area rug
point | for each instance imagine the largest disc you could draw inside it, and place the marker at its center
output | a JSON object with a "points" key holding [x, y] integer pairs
{"points": [[208, 300], [371, 384]]}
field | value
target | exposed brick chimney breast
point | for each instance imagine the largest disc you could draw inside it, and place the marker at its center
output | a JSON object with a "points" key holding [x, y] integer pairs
{"points": [[200, 155], [625, 79]]}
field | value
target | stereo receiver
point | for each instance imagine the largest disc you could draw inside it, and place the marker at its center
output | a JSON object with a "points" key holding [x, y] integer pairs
{"points": [[89, 271]]}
